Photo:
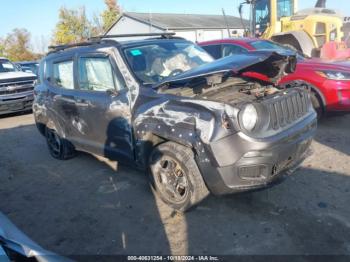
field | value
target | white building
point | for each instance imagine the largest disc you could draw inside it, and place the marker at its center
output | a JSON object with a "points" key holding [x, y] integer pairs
{"points": [[193, 27]]}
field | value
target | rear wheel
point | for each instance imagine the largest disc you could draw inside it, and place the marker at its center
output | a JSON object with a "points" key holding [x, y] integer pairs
{"points": [[59, 148], [176, 177]]}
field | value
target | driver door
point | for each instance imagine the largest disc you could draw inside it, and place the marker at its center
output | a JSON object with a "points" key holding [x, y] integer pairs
{"points": [[104, 108]]}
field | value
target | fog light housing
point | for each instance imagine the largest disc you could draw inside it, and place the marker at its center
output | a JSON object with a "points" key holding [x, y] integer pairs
{"points": [[256, 172]]}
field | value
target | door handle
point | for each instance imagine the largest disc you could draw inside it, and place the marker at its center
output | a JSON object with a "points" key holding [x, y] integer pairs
{"points": [[82, 102], [65, 98]]}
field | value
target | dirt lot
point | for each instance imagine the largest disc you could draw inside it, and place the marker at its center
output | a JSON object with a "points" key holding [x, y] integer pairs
{"points": [[84, 206]]}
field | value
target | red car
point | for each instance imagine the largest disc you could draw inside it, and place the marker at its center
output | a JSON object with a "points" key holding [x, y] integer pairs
{"points": [[328, 80]]}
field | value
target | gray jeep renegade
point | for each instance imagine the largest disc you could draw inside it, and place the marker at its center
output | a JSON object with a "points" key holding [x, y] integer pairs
{"points": [[161, 103]]}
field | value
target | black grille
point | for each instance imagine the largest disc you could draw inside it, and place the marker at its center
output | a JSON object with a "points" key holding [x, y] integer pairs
{"points": [[16, 91], [288, 109]]}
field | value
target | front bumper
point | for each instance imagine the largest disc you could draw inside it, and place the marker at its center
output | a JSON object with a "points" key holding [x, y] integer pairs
{"points": [[16, 102], [337, 95], [247, 164]]}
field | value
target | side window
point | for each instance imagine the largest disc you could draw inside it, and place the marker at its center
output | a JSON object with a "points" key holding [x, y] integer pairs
{"points": [[230, 49], [63, 74], [97, 74], [213, 50], [41, 72]]}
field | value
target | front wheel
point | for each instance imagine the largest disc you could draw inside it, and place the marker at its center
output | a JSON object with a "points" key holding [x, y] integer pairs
{"points": [[59, 148], [317, 104], [176, 177]]}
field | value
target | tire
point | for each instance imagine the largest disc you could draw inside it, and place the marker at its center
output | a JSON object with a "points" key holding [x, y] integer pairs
{"points": [[59, 148], [317, 104], [175, 176]]}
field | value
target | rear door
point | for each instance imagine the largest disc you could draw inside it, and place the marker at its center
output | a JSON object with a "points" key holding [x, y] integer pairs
{"points": [[102, 100], [62, 108], [218, 51], [215, 50]]}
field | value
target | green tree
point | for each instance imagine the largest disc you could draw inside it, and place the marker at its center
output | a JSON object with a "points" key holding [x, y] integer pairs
{"points": [[110, 15], [73, 26], [2, 47], [16, 46]]}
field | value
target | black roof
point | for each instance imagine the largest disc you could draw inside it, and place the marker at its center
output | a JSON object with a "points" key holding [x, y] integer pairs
{"points": [[105, 41]]}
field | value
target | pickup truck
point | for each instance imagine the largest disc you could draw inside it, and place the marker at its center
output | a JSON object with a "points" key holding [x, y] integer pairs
{"points": [[16, 88]]}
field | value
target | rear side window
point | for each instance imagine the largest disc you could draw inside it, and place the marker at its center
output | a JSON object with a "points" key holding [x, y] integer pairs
{"points": [[230, 49], [213, 50], [63, 74], [97, 74], [267, 45]]}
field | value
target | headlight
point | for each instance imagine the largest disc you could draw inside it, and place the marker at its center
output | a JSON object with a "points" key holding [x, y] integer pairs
{"points": [[249, 117], [334, 75]]}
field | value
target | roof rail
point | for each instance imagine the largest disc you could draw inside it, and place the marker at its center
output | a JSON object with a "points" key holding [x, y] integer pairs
{"points": [[164, 35], [63, 47], [100, 39]]}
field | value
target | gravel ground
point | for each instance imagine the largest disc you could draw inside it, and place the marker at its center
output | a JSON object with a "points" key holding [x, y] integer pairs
{"points": [[90, 206]]}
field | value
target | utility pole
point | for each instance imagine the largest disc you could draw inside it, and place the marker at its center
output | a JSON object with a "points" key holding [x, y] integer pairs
{"points": [[150, 21], [227, 26], [252, 18]]}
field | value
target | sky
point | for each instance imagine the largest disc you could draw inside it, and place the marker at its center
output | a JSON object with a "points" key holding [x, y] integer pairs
{"points": [[39, 17]]}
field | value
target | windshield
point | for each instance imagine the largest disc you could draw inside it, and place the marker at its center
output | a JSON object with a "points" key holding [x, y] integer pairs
{"points": [[284, 8], [268, 45], [153, 63], [262, 13], [33, 68], [7, 66]]}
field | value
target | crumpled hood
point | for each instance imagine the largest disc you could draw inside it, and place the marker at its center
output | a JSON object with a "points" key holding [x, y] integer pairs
{"points": [[14, 75], [273, 65], [12, 238]]}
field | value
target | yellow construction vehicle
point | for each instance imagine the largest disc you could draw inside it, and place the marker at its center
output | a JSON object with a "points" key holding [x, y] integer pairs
{"points": [[306, 30]]}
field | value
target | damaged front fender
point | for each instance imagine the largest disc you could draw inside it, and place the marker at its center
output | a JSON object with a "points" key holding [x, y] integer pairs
{"points": [[191, 123]]}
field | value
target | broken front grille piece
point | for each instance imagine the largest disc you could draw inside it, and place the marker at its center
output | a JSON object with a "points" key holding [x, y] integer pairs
{"points": [[288, 109]]}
